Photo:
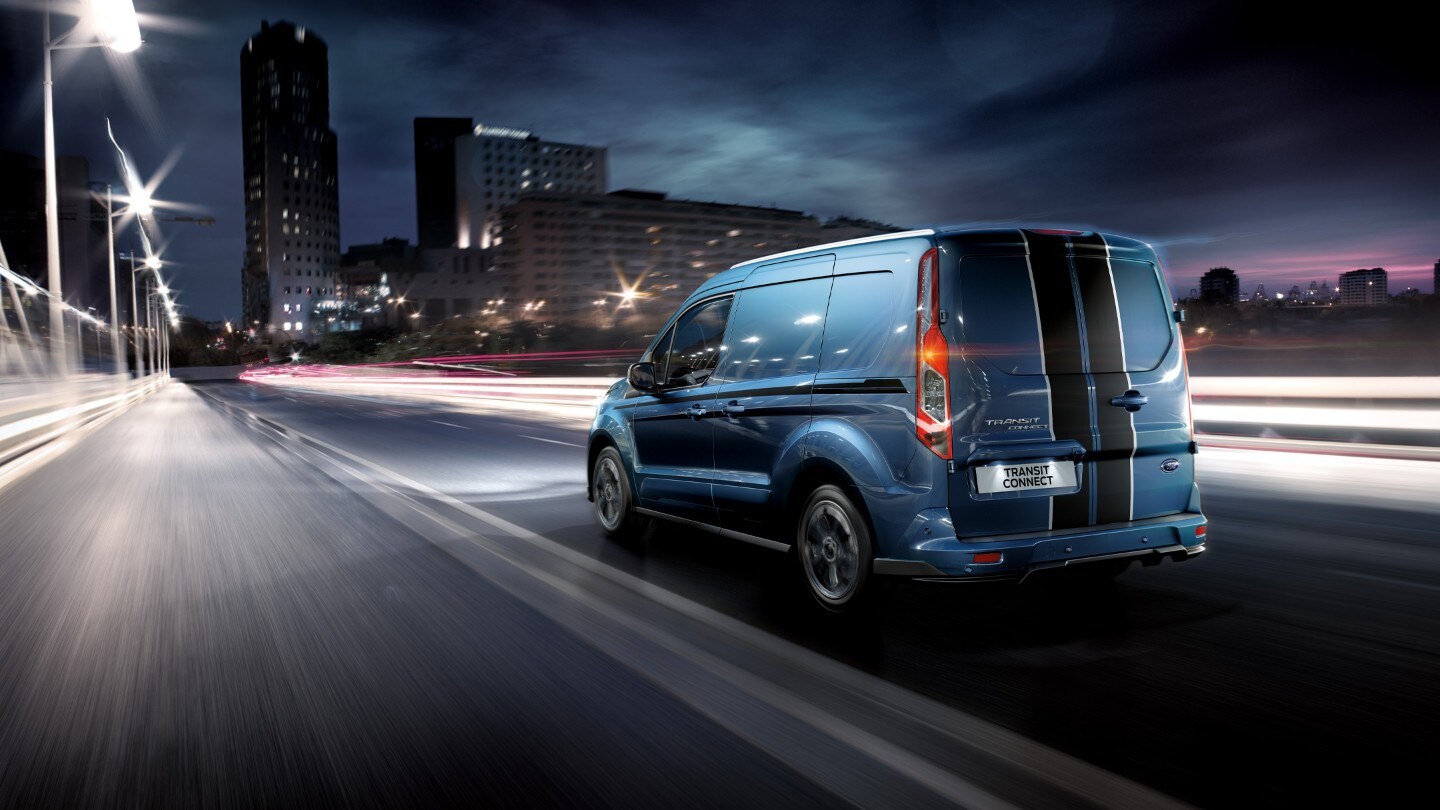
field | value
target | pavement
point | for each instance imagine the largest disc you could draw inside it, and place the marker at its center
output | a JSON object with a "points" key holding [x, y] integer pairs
{"points": [[234, 594]]}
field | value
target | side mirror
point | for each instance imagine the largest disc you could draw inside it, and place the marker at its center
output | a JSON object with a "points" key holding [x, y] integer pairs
{"points": [[1179, 316], [642, 376]]}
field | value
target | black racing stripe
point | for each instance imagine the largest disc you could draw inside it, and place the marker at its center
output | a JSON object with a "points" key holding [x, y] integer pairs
{"points": [[871, 386], [1102, 321], [1117, 445], [1064, 364], [1070, 408], [1106, 360], [1055, 297]]}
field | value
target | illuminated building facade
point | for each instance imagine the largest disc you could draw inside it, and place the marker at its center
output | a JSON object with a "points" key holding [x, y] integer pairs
{"points": [[495, 165], [1364, 287], [292, 193], [604, 258]]}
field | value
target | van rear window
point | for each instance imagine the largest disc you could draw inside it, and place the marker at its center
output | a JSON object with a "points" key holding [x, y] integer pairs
{"points": [[1001, 321]]}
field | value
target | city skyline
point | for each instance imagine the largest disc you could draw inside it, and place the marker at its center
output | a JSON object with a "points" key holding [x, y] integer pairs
{"points": [[1289, 153]]}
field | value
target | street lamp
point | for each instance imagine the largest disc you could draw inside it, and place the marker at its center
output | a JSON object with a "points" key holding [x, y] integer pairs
{"points": [[120, 30]]}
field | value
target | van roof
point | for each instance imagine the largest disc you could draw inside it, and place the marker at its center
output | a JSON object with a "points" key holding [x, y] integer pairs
{"points": [[991, 236], [863, 240], [1005, 239]]}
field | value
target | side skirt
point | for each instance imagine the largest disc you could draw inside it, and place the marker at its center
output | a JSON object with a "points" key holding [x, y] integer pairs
{"points": [[773, 545]]}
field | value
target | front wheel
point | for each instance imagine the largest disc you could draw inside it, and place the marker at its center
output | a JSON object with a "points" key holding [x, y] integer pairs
{"points": [[614, 501], [832, 545]]}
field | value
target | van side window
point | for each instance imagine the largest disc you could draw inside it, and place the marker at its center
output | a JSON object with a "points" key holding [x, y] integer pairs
{"points": [[861, 319], [696, 346], [776, 331], [1144, 312]]}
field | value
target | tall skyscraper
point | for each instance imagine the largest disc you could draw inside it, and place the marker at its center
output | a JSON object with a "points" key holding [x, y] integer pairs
{"points": [[292, 194], [435, 179]]}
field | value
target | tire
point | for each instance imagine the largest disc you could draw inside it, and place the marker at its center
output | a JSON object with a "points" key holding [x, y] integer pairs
{"points": [[833, 550], [614, 500]]}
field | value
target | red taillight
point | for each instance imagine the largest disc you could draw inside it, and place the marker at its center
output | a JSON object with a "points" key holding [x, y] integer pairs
{"points": [[1199, 531], [932, 361], [988, 557]]}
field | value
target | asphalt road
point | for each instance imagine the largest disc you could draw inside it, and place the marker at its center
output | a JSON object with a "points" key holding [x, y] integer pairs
{"points": [[194, 609]]}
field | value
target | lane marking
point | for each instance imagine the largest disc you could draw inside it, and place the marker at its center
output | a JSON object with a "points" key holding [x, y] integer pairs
{"points": [[450, 424], [1047, 765], [551, 441], [1387, 580]]}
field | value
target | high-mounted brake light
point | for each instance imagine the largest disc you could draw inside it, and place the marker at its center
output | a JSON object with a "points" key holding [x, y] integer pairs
{"points": [[932, 361]]}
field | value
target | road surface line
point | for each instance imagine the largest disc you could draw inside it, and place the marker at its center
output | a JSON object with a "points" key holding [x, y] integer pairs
{"points": [[449, 424], [1388, 580], [551, 441], [1045, 764]]}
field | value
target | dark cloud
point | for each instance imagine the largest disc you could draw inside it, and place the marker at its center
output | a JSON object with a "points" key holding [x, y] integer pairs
{"points": [[1289, 148]]}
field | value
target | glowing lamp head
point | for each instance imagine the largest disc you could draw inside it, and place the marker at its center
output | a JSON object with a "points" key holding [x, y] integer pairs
{"points": [[153, 262], [117, 24]]}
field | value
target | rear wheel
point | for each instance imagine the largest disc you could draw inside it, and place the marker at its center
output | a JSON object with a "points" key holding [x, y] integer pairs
{"points": [[833, 549], [614, 501]]}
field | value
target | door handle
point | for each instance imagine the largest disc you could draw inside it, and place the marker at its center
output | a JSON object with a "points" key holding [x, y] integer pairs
{"points": [[734, 408], [1131, 400], [695, 411]]}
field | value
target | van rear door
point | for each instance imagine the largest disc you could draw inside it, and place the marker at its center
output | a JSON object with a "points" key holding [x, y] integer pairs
{"points": [[1070, 363]]}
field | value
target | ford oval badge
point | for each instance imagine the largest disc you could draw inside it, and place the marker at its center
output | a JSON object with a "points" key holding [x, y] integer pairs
{"points": [[1170, 464]]}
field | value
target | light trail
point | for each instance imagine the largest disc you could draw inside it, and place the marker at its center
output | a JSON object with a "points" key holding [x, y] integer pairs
{"points": [[1340, 402]]}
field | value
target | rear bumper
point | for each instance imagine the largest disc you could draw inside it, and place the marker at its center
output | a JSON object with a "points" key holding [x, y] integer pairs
{"points": [[930, 550]]}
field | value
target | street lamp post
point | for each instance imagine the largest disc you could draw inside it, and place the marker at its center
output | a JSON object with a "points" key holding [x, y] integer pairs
{"points": [[115, 345], [135, 334], [121, 32]]}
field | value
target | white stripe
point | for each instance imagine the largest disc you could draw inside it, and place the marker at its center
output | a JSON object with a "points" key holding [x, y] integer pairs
{"points": [[1044, 373], [551, 441], [1124, 365]]}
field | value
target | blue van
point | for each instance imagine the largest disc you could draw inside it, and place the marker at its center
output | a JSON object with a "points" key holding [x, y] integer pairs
{"points": [[957, 405]]}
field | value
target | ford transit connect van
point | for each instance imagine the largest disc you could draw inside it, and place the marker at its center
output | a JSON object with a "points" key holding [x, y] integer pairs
{"points": [[960, 405]]}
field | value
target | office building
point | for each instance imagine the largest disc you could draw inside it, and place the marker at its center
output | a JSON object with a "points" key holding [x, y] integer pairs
{"points": [[1220, 284], [495, 165], [632, 255], [292, 193], [435, 179], [395, 284], [1364, 287]]}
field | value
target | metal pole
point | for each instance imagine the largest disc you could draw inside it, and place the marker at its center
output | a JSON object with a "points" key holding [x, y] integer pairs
{"points": [[115, 344], [58, 359], [149, 335], [135, 319]]}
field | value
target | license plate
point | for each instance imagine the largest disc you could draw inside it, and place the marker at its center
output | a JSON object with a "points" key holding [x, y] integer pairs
{"points": [[1023, 476]]}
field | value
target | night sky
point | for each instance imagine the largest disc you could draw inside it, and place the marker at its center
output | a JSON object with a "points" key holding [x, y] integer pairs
{"points": [[1290, 149]]}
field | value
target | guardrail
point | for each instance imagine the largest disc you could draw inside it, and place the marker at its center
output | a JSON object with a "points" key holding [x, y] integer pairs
{"points": [[1388, 416], [33, 413]]}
